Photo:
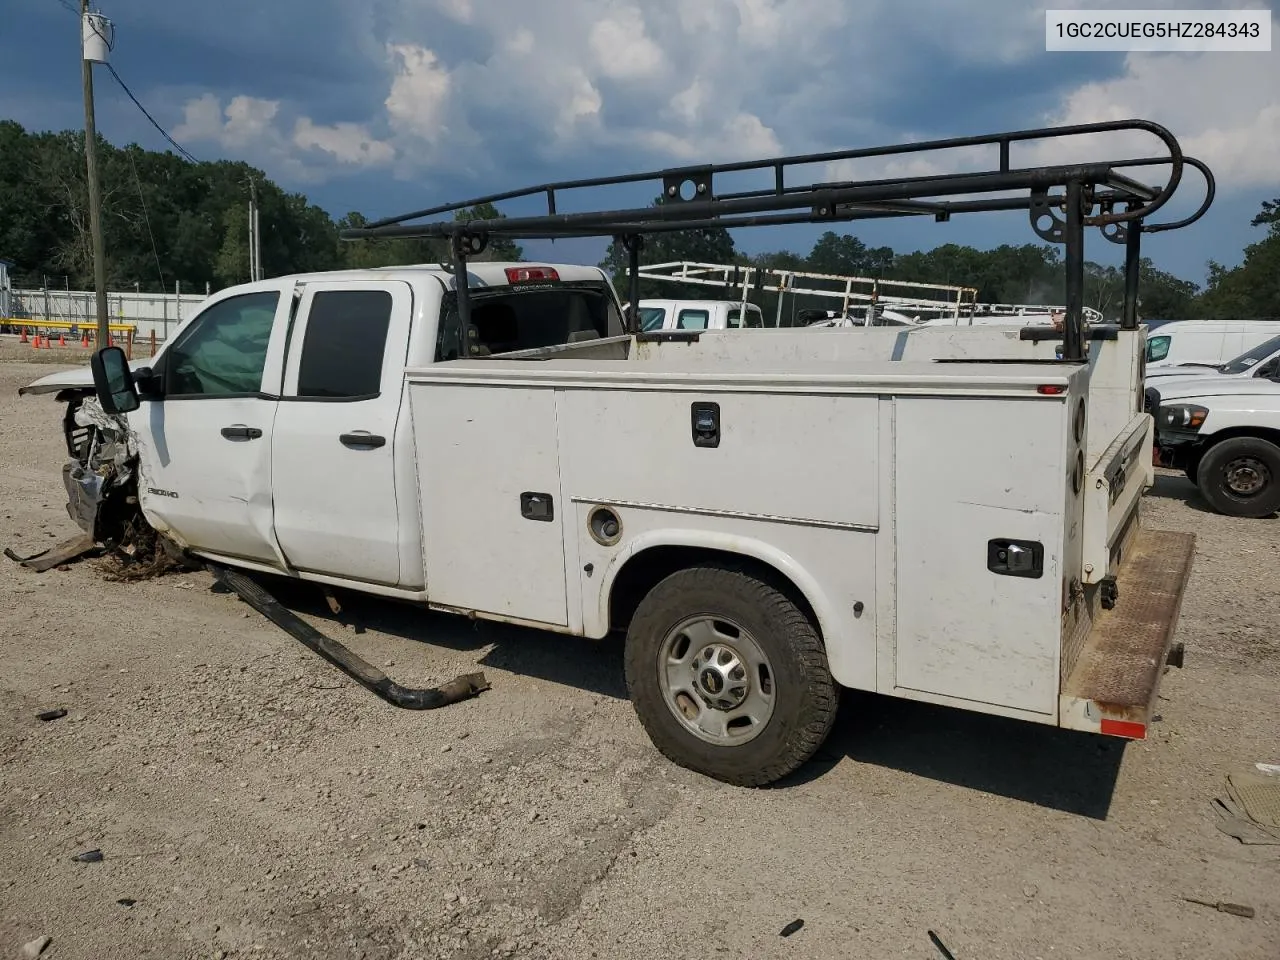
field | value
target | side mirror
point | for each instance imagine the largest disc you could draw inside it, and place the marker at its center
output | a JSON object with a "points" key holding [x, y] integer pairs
{"points": [[113, 381]]}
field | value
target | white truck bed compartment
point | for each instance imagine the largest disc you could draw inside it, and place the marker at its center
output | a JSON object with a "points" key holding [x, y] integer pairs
{"points": [[900, 477]]}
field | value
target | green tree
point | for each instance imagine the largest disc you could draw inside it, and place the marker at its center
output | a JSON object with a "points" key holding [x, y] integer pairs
{"points": [[1251, 290]]}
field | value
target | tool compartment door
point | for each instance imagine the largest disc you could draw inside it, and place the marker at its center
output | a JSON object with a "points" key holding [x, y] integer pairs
{"points": [[492, 509], [967, 472]]}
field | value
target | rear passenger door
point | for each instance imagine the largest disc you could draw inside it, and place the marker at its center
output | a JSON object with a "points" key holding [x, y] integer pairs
{"points": [[335, 446]]}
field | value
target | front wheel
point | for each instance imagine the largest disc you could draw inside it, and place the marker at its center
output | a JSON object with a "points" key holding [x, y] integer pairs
{"points": [[1240, 477], [728, 676]]}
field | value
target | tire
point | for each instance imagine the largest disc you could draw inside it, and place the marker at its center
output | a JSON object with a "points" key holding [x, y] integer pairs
{"points": [[745, 622], [1240, 477]]}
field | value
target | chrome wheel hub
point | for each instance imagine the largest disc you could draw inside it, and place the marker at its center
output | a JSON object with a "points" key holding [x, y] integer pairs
{"points": [[716, 680]]}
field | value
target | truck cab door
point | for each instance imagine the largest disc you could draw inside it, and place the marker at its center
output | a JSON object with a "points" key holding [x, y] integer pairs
{"points": [[338, 508], [204, 437]]}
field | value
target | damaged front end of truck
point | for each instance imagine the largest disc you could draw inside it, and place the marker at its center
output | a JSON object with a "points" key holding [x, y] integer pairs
{"points": [[101, 477]]}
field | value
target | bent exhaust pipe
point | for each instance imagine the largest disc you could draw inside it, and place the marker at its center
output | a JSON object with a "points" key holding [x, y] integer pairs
{"points": [[364, 673]]}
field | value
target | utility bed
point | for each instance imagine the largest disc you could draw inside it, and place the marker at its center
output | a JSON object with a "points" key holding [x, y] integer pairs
{"points": [[883, 480]]}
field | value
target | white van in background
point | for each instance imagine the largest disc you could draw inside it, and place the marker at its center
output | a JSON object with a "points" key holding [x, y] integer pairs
{"points": [[1205, 341], [1260, 361], [697, 315]]}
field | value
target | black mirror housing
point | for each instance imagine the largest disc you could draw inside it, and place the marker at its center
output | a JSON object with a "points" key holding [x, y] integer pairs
{"points": [[113, 381]]}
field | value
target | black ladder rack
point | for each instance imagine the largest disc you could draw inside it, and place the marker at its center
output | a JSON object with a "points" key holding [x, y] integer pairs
{"points": [[1098, 194]]}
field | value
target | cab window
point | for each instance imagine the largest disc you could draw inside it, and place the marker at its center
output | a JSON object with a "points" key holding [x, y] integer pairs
{"points": [[1157, 348], [693, 320], [224, 351], [754, 318], [651, 318]]}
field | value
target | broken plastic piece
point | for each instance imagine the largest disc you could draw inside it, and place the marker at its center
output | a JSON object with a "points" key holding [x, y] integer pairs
{"points": [[791, 927], [89, 856], [48, 715], [354, 666], [56, 556]]}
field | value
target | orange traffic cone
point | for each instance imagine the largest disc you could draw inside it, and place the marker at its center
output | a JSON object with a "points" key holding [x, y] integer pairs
{"points": [[35, 344], [25, 338], [84, 342], [62, 341]]}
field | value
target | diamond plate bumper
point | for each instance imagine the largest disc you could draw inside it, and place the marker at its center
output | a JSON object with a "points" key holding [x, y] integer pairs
{"points": [[1112, 687]]}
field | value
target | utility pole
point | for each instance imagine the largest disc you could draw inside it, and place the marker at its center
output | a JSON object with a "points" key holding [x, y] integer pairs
{"points": [[255, 236], [88, 29]]}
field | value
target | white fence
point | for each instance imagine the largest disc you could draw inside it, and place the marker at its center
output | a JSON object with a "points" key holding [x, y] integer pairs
{"points": [[150, 312]]}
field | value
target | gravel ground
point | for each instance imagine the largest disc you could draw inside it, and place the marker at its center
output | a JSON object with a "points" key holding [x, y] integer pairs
{"points": [[250, 801]]}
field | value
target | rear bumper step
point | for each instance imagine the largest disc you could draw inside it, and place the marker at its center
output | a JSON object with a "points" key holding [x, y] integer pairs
{"points": [[1113, 686]]}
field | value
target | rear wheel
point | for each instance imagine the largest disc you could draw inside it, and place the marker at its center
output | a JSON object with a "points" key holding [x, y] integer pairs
{"points": [[1240, 477], [728, 676]]}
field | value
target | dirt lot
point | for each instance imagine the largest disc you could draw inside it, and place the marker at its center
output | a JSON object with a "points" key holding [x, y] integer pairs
{"points": [[256, 803]]}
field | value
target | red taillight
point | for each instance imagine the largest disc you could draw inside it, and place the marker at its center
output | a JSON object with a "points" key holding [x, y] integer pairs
{"points": [[525, 274], [1050, 389]]}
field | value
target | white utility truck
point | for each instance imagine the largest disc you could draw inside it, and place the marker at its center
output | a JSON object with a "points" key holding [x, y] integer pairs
{"points": [[943, 514], [659, 314]]}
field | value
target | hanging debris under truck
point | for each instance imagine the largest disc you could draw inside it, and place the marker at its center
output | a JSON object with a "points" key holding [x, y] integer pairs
{"points": [[948, 514]]}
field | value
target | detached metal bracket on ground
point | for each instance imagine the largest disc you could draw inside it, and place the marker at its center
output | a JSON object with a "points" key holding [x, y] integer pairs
{"points": [[366, 674]]}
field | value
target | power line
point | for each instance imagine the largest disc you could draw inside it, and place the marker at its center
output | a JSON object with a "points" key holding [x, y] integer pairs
{"points": [[147, 219], [182, 151]]}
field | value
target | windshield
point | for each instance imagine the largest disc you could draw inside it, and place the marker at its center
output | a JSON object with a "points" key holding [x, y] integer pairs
{"points": [[1250, 357]]}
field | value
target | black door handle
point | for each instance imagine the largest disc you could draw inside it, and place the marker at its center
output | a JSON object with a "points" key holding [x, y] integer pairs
{"points": [[241, 432], [362, 439]]}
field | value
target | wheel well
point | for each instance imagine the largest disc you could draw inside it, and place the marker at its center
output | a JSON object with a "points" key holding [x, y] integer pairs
{"points": [[1232, 433], [649, 567]]}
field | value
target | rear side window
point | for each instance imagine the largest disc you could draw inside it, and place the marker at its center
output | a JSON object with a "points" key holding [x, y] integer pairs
{"points": [[503, 321], [346, 339], [1157, 348], [754, 318], [693, 320]]}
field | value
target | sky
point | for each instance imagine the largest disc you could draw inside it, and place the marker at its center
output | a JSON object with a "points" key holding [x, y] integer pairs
{"points": [[386, 106]]}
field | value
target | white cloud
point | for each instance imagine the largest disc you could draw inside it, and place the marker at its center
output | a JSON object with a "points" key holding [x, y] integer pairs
{"points": [[245, 121], [348, 143], [490, 90], [1224, 109], [252, 129], [418, 97], [622, 48]]}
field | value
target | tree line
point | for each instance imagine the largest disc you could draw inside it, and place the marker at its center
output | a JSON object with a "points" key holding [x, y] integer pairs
{"points": [[166, 219]]}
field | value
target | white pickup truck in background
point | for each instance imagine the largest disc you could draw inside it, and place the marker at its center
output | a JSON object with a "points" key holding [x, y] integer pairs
{"points": [[1224, 432]]}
